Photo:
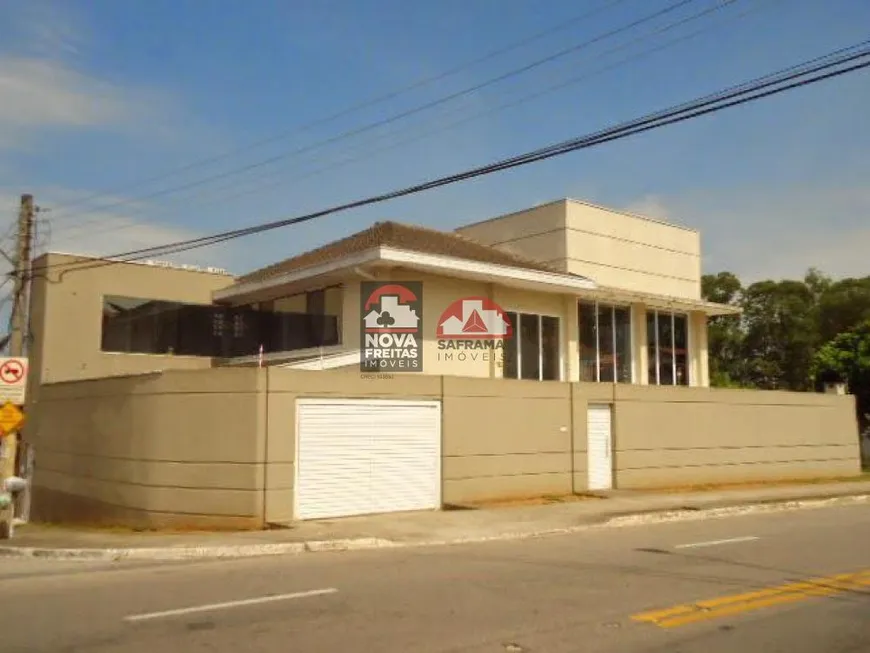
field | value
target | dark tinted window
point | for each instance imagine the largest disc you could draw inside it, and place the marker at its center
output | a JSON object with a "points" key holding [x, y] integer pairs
{"points": [[605, 343], [145, 326], [588, 342], [315, 302], [530, 347], [550, 348], [652, 347], [681, 349], [666, 349], [622, 326], [510, 370]]}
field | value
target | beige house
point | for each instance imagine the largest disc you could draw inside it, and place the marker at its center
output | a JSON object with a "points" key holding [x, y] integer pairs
{"points": [[590, 295], [147, 407]]}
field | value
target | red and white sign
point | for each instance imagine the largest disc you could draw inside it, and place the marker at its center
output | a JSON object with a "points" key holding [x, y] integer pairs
{"points": [[473, 318], [13, 380]]}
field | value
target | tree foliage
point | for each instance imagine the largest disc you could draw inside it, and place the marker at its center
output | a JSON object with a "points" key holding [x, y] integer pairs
{"points": [[724, 336], [844, 305], [846, 359], [779, 334], [792, 334]]}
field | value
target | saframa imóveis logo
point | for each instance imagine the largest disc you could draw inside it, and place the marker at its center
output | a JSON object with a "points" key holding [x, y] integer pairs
{"points": [[472, 329]]}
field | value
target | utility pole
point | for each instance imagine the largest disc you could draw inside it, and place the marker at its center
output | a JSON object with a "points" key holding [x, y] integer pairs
{"points": [[21, 292], [18, 337]]}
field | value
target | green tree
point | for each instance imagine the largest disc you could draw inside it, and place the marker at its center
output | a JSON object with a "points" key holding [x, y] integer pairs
{"points": [[724, 334], [843, 305], [773, 344], [817, 282], [846, 359], [780, 334]]}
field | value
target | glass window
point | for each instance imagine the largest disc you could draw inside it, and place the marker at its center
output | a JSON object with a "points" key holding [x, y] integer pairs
{"points": [[588, 342], [510, 368], [144, 326], [534, 350], [666, 349], [668, 345], [622, 350], [218, 324], [605, 344], [652, 347], [149, 326], [681, 349], [550, 348], [315, 302], [238, 325], [530, 347]]}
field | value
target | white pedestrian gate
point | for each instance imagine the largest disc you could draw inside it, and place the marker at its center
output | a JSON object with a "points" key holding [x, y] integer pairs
{"points": [[363, 456], [599, 447]]}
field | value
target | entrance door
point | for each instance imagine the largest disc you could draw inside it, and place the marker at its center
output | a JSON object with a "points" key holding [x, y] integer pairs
{"points": [[362, 456], [599, 447]]}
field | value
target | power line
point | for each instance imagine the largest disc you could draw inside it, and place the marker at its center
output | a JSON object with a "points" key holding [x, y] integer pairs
{"points": [[366, 153], [619, 132], [492, 54], [685, 111], [401, 115]]}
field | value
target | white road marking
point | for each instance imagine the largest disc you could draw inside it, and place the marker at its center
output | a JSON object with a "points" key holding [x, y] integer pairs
{"points": [[697, 545], [229, 604]]}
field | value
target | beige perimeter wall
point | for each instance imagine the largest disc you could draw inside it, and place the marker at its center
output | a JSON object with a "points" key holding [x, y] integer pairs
{"points": [[181, 449], [216, 448]]}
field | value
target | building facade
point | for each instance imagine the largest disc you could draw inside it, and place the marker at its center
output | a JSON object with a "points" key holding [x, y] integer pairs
{"points": [[587, 294], [145, 412]]}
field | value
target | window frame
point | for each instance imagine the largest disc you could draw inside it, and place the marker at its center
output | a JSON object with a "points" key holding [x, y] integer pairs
{"points": [[517, 336], [613, 338], [689, 372]]}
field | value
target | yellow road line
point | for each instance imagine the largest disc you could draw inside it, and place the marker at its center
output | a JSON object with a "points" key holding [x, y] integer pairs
{"points": [[723, 606]]}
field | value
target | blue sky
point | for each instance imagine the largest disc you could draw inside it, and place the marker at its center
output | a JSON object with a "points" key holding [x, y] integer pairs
{"points": [[97, 97]]}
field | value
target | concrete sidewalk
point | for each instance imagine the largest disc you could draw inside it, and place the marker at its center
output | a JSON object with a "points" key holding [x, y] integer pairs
{"points": [[618, 508]]}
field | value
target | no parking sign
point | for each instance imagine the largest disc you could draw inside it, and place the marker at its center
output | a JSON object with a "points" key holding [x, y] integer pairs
{"points": [[13, 380]]}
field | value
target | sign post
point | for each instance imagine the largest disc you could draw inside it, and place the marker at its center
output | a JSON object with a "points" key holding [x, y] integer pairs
{"points": [[13, 386]]}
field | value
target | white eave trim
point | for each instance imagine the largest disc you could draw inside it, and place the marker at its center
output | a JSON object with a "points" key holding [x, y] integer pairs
{"points": [[664, 302], [409, 258]]}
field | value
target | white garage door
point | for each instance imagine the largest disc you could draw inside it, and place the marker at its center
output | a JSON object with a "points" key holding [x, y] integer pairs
{"points": [[599, 447], [356, 457]]}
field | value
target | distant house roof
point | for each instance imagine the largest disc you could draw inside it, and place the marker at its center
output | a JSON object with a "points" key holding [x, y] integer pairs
{"points": [[398, 236]]}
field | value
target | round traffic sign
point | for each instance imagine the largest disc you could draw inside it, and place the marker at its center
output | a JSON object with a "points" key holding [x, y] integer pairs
{"points": [[11, 372]]}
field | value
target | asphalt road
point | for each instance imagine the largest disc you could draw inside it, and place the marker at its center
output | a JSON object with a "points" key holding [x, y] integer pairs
{"points": [[733, 584]]}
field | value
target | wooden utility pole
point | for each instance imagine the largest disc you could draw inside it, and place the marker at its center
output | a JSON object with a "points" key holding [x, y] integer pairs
{"points": [[21, 293], [18, 338]]}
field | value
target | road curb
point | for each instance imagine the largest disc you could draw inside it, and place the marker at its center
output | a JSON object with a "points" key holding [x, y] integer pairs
{"points": [[706, 509], [613, 520], [194, 552]]}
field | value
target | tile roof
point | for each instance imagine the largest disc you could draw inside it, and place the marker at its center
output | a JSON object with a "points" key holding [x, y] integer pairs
{"points": [[398, 236]]}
